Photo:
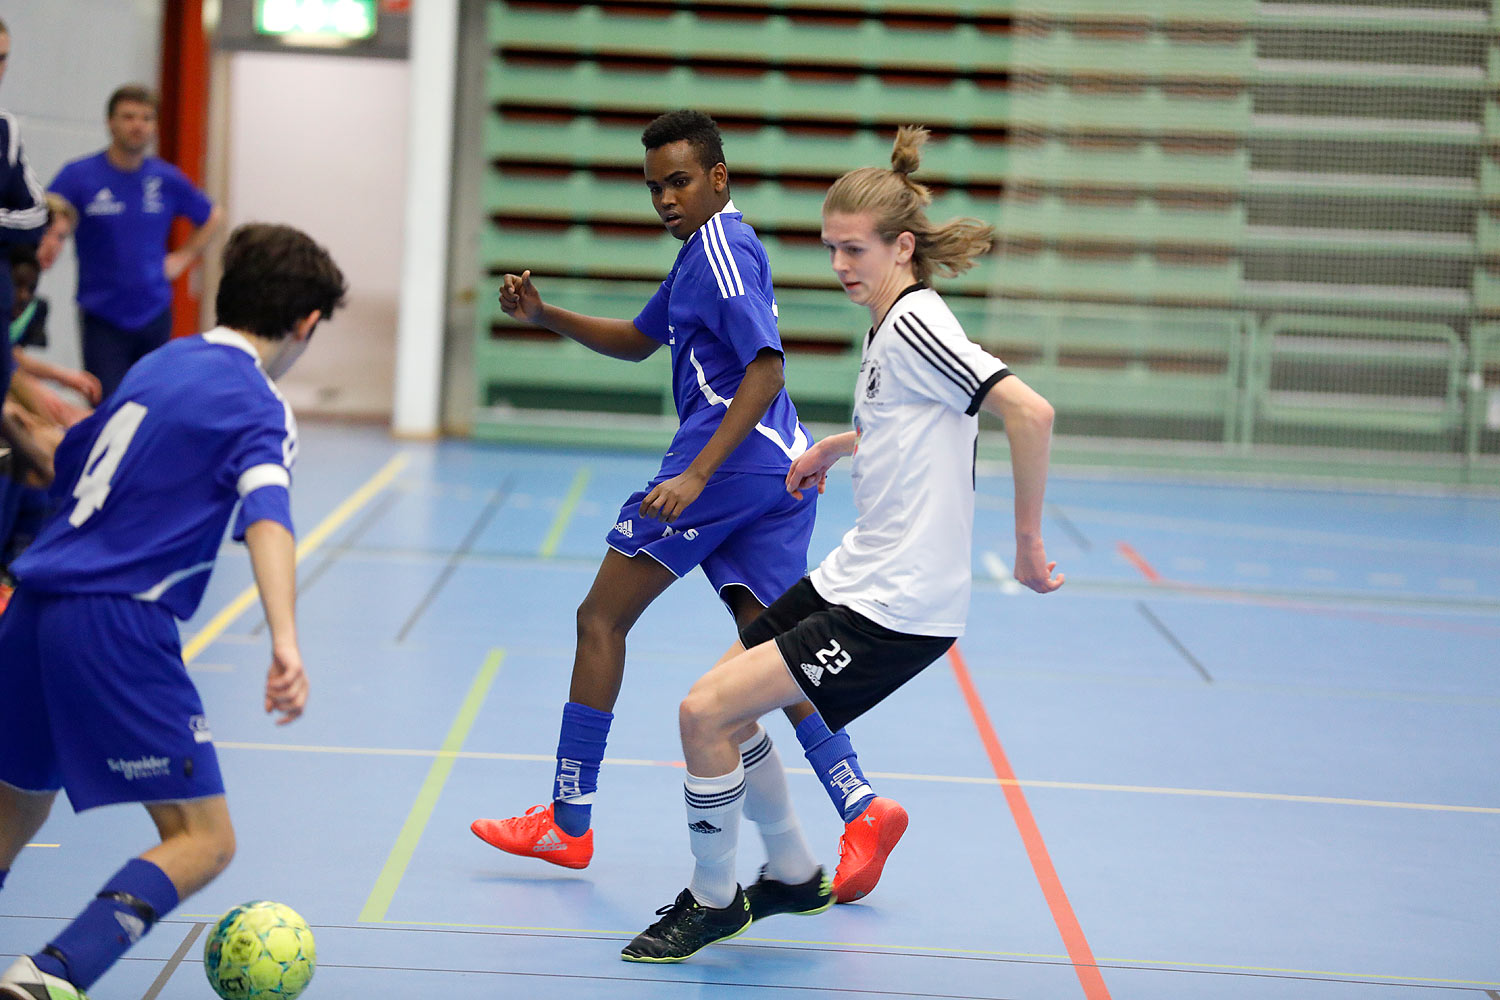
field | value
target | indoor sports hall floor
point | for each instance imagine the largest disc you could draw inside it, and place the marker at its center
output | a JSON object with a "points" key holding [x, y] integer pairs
{"points": [[1250, 750]]}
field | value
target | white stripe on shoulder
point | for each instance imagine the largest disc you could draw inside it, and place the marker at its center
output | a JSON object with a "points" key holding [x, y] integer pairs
{"points": [[267, 474], [22, 219], [13, 137], [711, 252], [225, 337], [721, 240]]}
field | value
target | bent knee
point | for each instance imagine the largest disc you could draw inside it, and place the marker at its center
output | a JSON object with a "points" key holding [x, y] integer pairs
{"points": [[598, 622], [224, 850], [215, 849], [699, 712]]}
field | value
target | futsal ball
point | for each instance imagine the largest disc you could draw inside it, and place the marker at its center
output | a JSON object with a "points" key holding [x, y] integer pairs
{"points": [[260, 950]]}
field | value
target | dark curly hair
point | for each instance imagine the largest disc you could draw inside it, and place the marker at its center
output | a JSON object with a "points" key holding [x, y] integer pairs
{"points": [[273, 277], [694, 126]]}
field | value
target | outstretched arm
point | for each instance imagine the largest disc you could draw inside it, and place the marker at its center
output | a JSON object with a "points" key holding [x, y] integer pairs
{"points": [[615, 338], [273, 557], [763, 379], [81, 382], [811, 467], [1028, 426], [34, 440]]}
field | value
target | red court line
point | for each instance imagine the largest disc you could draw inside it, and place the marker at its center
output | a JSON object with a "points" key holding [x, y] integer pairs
{"points": [[1138, 561], [1077, 945]]}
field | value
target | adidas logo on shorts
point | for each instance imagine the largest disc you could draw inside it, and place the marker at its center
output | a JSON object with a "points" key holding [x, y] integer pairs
{"points": [[626, 528], [814, 673]]}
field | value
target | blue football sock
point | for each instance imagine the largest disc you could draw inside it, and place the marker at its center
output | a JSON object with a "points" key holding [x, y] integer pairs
{"points": [[580, 749], [3, 872], [132, 901], [836, 764]]}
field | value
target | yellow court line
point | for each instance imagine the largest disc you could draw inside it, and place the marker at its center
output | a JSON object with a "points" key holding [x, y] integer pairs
{"points": [[331, 523], [564, 513], [1076, 786], [427, 796]]}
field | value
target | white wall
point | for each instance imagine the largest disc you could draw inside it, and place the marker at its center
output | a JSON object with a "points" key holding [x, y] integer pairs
{"points": [[66, 58], [319, 142], [314, 141]]}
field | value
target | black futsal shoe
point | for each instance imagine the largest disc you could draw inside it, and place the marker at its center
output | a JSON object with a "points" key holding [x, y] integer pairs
{"points": [[769, 897], [687, 927]]}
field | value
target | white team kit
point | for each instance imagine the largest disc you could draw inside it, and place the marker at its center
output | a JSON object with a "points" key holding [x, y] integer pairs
{"points": [[895, 593], [906, 562]]}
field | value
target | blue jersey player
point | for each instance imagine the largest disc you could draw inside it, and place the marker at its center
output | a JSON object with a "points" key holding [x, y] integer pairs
{"points": [[718, 501], [94, 697]]}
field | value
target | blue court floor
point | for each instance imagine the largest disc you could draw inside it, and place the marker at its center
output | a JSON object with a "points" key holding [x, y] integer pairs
{"points": [[1250, 750]]}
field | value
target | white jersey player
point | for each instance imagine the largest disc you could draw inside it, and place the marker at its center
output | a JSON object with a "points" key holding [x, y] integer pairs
{"points": [[894, 595]]}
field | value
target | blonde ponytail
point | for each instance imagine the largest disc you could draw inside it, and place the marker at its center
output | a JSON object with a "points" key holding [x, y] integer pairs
{"points": [[897, 204]]}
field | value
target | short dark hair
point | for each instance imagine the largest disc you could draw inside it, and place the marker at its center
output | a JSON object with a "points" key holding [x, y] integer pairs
{"points": [[693, 126], [135, 93], [273, 277], [21, 254], [23, 260]]}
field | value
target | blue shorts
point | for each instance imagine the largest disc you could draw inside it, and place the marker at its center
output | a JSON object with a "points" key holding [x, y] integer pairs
{"points": [[744, 529], [94, 698]]}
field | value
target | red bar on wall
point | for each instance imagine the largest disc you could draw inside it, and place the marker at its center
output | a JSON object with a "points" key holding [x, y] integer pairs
{"points": [[184, 127]]}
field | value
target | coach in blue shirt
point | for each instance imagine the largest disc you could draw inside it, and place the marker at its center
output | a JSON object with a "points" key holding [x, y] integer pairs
{"points": [[124, 201]]}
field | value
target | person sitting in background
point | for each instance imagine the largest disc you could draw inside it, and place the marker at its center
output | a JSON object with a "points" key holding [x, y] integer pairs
{"points": [[28, 328]]}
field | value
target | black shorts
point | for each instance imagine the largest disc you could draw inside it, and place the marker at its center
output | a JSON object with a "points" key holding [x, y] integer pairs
{"points": [[845, 663]]}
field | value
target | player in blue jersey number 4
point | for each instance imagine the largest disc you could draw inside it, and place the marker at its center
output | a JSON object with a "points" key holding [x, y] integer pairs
{"points": [[94, 698], [894, 595], [719, 502]]}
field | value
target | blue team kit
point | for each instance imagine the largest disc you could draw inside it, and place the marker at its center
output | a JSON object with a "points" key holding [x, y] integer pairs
{"points": [[124, 220], [744, 528], [145, 488], [716, 312]]}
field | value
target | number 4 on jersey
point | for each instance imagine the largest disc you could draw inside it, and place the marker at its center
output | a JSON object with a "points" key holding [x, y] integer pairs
{"points": [[92, 488]]}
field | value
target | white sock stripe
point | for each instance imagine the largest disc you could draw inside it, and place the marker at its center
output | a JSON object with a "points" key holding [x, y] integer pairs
{"points": [[858, 792], [713, 800], [757, 753]]}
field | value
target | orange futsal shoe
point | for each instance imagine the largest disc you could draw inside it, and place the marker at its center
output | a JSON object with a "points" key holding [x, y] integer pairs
{"points": [[865, 845], [537, 835]]}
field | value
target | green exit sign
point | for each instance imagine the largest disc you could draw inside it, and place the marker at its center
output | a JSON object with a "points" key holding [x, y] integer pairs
{"points": [[324, 19]]}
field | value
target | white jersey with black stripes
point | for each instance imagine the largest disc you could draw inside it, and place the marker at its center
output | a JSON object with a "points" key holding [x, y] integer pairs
{"points": [[906, 562]]}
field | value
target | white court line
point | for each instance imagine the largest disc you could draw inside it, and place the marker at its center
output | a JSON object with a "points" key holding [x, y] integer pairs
{"points": [[996, 568], [1228, 529], [1078, 786]]}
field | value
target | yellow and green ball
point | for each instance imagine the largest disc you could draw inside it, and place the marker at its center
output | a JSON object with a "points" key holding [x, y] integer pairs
{"points": [[260, 950]]}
